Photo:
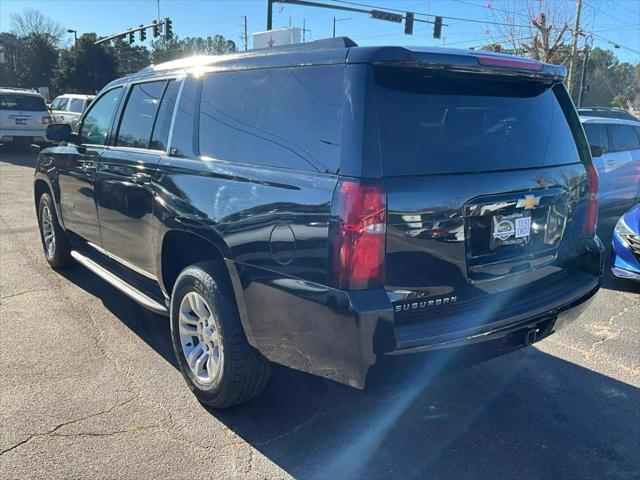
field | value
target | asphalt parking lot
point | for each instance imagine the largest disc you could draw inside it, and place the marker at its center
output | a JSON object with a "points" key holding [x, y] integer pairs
{"points": [[89, 389]]}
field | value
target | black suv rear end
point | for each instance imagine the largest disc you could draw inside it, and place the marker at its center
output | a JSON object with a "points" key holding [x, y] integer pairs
{"points": [[320, 205]]}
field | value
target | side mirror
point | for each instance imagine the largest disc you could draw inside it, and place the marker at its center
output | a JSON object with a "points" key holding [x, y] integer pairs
{"points": [[596, 151], [61, 132]]}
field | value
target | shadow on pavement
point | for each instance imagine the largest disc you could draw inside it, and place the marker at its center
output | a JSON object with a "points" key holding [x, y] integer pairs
{"points": [[527, 414]]}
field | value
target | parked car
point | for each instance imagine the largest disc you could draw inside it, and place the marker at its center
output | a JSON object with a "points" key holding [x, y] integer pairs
{"points": [[321, 205], [619, 165], [23, 117], [607, 112], [68, 108], [626, 246]]}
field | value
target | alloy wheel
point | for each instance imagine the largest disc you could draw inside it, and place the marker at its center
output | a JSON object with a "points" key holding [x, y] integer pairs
{"points": [[48, 232], [199, 338]]}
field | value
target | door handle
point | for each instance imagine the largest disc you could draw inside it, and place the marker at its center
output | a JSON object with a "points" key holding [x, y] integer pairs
{"points": [[141, 178]]}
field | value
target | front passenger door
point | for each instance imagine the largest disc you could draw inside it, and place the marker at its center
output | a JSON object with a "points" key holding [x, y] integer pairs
{"points": [[77, 165]]}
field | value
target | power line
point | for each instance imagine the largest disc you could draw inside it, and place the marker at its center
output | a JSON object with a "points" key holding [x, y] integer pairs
{"points": [[488, 22]]}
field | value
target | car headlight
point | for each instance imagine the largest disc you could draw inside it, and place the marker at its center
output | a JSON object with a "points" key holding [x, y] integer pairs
{"points": [[622, 229]]}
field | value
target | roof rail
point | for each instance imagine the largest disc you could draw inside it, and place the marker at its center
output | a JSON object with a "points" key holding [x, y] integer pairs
{"points": [[20, 89]]}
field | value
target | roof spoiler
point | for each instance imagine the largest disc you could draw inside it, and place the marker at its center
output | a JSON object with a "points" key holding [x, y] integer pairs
{"points": [[461, 60]]}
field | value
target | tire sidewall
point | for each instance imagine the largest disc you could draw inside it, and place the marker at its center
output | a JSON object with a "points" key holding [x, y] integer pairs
{"points": [[46, 201], [189, 282]]}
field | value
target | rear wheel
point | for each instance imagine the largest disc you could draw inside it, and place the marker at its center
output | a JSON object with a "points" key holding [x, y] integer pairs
{"points": [[213, 354], [56, 245]]}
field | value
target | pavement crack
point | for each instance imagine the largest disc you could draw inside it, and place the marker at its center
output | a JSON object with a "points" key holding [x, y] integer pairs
{"points": [[13, 295], [53, 431]]}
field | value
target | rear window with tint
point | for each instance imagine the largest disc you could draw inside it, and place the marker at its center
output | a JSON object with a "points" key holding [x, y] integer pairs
{"points": [[77, 105], [280, 117], [432, 122], [623, 138], [597, 135], [24, 103]]}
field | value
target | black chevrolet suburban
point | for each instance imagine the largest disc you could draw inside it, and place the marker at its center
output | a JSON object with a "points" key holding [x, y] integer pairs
{"points": [[323, 204]]}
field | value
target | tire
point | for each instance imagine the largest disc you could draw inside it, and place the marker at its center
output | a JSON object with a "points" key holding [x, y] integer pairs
{"points": [[56, 245], [213, 354]]}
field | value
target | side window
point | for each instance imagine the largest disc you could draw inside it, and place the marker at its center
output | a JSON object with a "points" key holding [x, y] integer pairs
{"points": [[160, 134], [62, 106], [98, 119], [139, 114], [597, 135], [76, 105], [623, 138], [55, 105], [283, 117]]}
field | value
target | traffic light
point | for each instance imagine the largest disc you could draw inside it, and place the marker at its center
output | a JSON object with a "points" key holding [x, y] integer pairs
{"points": [[131, 37], [156, 29], [168, 28], [437, 27], [143, 34], [408, 23], [388, 16]]}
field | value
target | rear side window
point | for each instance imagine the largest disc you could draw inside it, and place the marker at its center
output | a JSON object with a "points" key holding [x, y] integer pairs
{"points": [[286, 117], [139, 114], [597, 135], [24, 103], [76, 105], [165, 113], [623, 138], [432, 123]]}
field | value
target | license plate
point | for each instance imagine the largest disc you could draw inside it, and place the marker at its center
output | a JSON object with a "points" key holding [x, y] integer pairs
{"points": [[510, 230], [21, 121]]}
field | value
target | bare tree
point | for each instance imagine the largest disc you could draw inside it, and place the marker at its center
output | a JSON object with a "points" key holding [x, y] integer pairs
{"points": [[536, 28], [32, 21]]}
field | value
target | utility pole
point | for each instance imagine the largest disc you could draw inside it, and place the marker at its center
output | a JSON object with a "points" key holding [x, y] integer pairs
{"points": [[269, 14], [338, 20], [246, 38], [574, 45], [583, 75]]}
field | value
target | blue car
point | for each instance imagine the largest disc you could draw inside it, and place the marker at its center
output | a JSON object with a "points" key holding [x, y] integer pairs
{"points": [[626, 245]]}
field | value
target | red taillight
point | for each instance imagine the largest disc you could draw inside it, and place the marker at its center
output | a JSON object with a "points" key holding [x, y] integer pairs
{"points": [[491, 61], [592, 197], [46, 120], [358, 231]]}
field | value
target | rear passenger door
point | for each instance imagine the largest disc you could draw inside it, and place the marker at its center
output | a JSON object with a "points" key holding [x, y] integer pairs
{"points": [[624, 163], [126, 190]]}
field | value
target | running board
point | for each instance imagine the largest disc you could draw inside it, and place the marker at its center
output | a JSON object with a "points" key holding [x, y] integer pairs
{"points": [[120, 284]]}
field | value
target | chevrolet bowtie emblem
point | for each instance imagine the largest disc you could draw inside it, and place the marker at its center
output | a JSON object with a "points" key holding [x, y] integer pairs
{"points": [[528, 202]]}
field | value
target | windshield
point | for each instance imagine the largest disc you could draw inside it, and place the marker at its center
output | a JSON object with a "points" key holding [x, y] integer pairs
{"points": [[25, 103], [432, 122]]}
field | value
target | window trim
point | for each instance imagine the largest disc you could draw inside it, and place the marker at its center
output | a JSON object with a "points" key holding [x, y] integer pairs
{"points": [[120, 114], [610, 136], [111, 121]]}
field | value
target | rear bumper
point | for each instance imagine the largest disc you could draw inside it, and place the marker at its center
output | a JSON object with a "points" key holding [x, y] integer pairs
{"points": [[14, 135], [338, 335]]}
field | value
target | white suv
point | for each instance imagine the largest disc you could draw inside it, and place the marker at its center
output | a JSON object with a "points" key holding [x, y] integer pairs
{"points": [[68, 108], [23, 117]]}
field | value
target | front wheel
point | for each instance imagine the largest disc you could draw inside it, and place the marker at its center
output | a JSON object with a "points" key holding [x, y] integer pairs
{"points": [[213, 354]]}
